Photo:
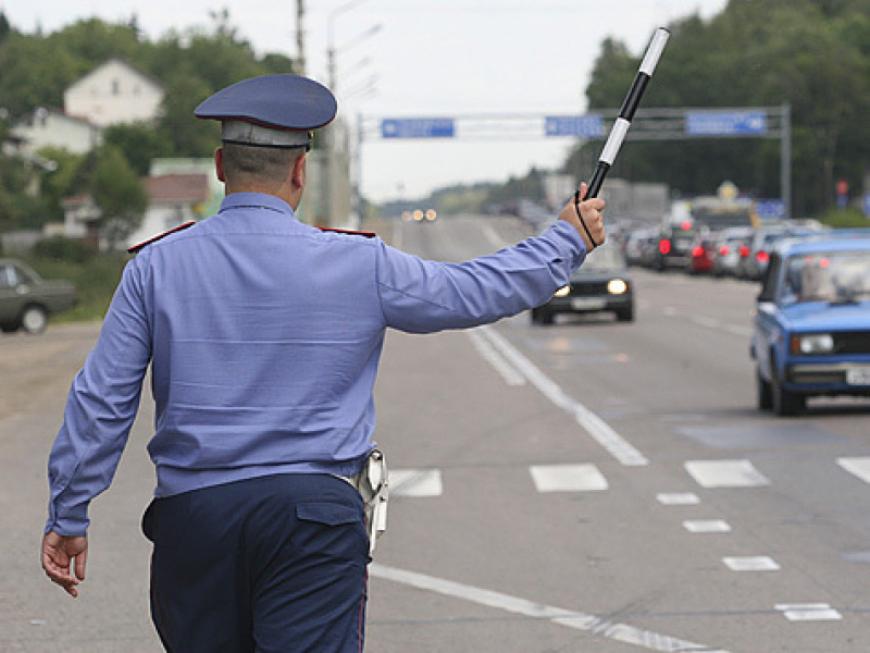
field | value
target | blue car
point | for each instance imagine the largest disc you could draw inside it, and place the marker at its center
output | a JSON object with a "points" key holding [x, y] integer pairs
{"points": [[812, 328]]}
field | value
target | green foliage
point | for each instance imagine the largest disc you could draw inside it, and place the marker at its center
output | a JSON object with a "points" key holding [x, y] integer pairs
{"points": [[118, 193], [812, 54], [59, 183], [845, 218], [58, 248], [140, 142], [95, 280]]}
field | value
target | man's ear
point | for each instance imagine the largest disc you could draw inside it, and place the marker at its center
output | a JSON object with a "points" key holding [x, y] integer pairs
{"points": [[297, 174], [219, 163]]}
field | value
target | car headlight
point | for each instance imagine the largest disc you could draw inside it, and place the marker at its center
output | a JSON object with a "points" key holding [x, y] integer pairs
{"points": [[564, 291], [616, 286], [814, 343]]}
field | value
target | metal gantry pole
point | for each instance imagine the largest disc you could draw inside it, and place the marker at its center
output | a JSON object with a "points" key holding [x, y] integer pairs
{"points": [[785, 159]]}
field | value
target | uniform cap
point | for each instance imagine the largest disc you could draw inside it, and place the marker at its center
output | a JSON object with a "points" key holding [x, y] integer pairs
{"points": [[270, 111]]}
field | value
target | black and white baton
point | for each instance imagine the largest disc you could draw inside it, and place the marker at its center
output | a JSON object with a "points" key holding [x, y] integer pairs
{"points": [[623, 122]]}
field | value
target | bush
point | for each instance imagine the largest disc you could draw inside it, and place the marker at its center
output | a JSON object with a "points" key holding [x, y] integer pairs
{"points": [[58, 248], [845, 218]]}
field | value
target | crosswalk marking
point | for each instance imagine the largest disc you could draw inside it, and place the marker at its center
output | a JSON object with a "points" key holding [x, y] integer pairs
{"points": [[415, 482], [860, 467], [751, 563], [567, 478], [725, 473]]}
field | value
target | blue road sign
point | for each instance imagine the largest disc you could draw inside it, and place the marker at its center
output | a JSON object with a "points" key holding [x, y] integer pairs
{"points": [[770, 209], [588, 126], [418, 128], [726, 123]]}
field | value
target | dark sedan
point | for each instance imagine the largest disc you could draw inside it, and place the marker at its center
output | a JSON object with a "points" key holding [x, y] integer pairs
{"points": [[600, 284], [26, 300]]}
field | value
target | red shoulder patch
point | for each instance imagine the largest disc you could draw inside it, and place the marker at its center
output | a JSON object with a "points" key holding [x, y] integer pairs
{"points": [[184, 225], [364, 234]]}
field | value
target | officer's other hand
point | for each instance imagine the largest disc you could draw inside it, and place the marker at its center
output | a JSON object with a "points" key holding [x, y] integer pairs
{"points": [[591, 211], [59, 554]]}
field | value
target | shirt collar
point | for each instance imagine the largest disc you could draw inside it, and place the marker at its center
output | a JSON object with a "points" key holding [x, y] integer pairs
{"points": [[256, 201]]}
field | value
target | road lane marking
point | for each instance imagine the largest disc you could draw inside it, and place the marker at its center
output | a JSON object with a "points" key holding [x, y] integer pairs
{"points": [[578, 620], [415, 482], [492, 236], [567, 478], [678, 498], [860, 467], [600, 431], [725, 473], [705, 321], [751, 563], [743, 332], [491, 356], [808, 612], [707, 526]]}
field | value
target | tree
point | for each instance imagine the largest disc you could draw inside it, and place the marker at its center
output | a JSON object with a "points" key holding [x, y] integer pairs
{"points": [[140, 142], [118, 193]]}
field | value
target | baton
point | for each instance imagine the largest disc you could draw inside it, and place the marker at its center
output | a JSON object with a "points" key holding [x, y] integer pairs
{"points": [[626, 113]]}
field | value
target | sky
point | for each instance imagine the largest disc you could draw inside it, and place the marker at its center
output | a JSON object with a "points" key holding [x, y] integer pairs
{"points": [[421, 58]]}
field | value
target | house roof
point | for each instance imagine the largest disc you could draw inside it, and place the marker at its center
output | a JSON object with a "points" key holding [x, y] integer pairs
{"points": [[152, 80], [178, 188]]}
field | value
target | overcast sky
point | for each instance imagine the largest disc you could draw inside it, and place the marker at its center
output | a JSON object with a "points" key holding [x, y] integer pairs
{"points": [[431, 58]]}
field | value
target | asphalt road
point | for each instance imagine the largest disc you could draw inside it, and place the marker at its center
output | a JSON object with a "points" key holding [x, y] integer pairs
{"points": [[591, 486]]}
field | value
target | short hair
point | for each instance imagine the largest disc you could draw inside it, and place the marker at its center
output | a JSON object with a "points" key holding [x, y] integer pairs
{"points": [[268, 164]]}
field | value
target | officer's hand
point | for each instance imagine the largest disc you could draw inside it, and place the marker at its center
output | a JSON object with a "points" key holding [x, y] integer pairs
{"points": [[58, 553], [590, 210]]}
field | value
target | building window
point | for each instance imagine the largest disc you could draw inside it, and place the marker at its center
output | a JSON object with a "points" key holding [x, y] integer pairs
{"points": [[116, 87]]}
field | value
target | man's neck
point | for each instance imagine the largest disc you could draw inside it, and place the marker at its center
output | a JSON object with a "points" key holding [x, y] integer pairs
{"points": [[281, 193]]}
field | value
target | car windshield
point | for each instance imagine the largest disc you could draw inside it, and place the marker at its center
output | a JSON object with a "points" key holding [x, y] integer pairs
{"points": [[837, 277], [606, 257], [714, 219]]}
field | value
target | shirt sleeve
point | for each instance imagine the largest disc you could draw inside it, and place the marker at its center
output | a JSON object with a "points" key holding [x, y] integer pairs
{"points": [[100, 409], [420, 296]]}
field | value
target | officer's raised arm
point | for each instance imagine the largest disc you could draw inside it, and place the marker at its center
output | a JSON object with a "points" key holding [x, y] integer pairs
{"points": [[421, 296]]}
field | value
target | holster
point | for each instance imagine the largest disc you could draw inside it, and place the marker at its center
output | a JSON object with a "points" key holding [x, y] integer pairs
{"points": [[373, 485]]}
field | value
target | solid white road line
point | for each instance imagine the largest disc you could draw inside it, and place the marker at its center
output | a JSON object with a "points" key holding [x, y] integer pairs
{"points": [[578, 620], [808, 612], [860, 467], [725, 473], [707, 526], [600, 431], [567, 478], [491, 356], [492, 236], [678, 499], [415, 482], [751, 563]]}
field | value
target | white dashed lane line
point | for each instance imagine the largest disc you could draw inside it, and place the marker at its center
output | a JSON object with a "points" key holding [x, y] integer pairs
{"points": [[677, 499], [725, 473], [808, 612], [567, 478], [499, 364], [415, 483], [709, 322], [751, 563], [859, 467], [707, 526]]}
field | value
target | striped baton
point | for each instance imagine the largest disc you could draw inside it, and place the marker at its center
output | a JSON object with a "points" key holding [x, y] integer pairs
{"points": [[626, 113]]}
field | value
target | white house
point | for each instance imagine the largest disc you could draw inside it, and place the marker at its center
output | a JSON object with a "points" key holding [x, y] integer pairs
{"points": [[173, 199], [80, 217], [113, 93], [53, 128]]}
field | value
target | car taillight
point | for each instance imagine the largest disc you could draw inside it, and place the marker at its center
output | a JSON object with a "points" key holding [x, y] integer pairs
{"points": [[762, 256], [697, 251], [744, 251], [665, 246], [723, 251]]}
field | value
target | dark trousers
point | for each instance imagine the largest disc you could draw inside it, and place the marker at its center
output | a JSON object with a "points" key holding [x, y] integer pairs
{"points": [[275, 564]]}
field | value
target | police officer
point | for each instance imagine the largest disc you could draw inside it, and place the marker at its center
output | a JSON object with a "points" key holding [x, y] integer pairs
{"points": [[264, 335]]}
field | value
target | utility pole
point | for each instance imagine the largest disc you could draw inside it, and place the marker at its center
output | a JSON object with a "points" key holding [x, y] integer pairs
{"points": [[300, 37]]}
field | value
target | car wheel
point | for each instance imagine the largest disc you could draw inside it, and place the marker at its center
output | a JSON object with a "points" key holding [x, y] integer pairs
{"points": [[783, 402], [625, 314], [763, 391], [34, 319]]}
